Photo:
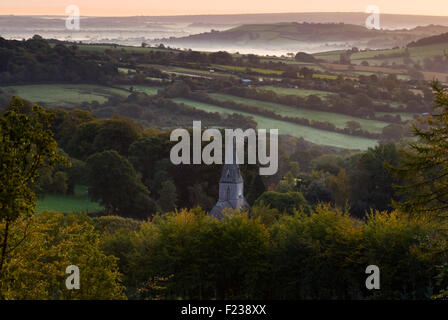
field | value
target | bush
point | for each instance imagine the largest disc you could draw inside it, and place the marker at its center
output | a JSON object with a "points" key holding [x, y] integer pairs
{"points": [[286, 202]]}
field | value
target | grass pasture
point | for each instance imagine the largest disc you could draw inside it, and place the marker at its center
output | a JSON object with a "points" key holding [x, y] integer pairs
{"points": [[339, 120], [405, 116], [150, 91], [296, 92], [131, 49], [243, 69], [313, 135], [331, 56], [429, 51], [417, 54], [64, 95], [79, 202]]}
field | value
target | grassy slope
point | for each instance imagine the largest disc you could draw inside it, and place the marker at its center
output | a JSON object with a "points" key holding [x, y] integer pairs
{"points": [[339, 120], [101, 48], [297, 92], [139, 88], [65, 95], [317, 136], [417, 54], [78, 202]]}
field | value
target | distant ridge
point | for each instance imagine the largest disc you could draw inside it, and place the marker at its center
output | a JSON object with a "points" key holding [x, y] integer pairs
{"points": [[388, 21], [441, 38], [292, 34]]}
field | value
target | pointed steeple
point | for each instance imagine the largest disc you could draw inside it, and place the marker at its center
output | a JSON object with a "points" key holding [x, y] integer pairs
{"points": [[231, 186], [230, 171]]}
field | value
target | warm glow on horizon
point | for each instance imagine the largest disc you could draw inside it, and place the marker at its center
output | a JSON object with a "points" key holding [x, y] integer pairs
{"points": [[191, 7]]}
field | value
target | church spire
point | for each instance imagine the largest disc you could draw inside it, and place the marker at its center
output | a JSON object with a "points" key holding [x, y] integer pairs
{"points": [[231, 186], [230, 171]]}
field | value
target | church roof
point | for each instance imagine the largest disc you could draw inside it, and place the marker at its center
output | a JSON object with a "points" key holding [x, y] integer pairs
{"points": [[217, 210], [219, 207], [230, 174], [230, 171]]}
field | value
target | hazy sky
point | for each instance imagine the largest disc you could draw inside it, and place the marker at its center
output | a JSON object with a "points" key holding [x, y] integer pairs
{"points": [[178, 7]]}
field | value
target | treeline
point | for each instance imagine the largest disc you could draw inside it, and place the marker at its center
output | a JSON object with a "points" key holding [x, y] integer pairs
{"points": [[35, 60], [320, 255], [357, 104], [159, 112], [394, 131], [441, 38], [116, 155], [324, 125], [112, 156], [355, 182]]}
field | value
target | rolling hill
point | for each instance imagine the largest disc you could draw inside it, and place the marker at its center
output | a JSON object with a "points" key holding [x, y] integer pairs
{"points": [[292, 35]]}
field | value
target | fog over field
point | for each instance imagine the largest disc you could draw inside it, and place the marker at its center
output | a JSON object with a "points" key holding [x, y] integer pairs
{"points": [[151, 29]]}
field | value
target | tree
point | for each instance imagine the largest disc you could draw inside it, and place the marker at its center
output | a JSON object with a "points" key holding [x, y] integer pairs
{"points": [[145, 152], [425, 167], [81, 144], [361, 100], [26, 145], [54, 242], [291, 74], [167, 196], [117, 134], [221, 57], [371, 182], [59, 184], [394, 131], [353, 125], [197, 195], [304, 57], [114, 183], [307, 73], [256, 187], [339, 186], [284, 202]]}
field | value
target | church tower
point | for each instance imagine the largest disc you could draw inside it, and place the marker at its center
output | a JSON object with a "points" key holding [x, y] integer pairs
{"points": [[231, 188]]}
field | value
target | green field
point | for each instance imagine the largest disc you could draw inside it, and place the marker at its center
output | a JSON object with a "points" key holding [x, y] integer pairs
{"points": [[140, 88], [126, 70], [317, 136], [339, 120], [330, 56], [243, 69], [309, 65], [296, 92], [195, 72], [405, 116], [64, 95], [362, 55], [276, 72], [417, 54], [420, 53], [103, 47], [79, 202]]}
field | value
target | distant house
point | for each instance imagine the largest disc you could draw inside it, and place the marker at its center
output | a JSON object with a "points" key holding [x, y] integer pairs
{"points": [[212, 71]]}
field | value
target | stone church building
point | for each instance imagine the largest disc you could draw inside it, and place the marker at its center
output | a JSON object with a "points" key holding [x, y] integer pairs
{"points": [[231, 189]]}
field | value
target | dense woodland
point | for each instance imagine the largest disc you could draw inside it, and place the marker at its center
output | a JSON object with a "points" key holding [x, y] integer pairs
{"points": [[312, 228]]}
